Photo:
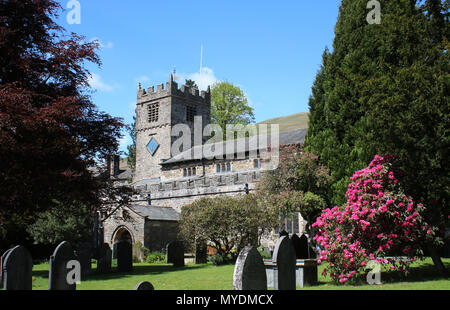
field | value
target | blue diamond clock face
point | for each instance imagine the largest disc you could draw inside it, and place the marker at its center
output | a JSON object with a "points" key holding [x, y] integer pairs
{"points": [[152, 146]]}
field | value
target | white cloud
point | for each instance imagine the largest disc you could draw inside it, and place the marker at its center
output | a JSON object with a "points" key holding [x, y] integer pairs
{"points": [[95, 81], [203, 80], [103, 45], [142, 79]]}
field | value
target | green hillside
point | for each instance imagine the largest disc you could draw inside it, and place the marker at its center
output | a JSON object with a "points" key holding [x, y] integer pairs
{"points": [[290, 122]]}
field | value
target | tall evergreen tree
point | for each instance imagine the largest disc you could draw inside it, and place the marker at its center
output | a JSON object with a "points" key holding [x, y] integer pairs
{"points": [[317, 121], [386, 91]]}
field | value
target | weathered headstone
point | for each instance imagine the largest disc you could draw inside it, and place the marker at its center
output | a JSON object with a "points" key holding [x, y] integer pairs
{"points": [[144, 286], [201, 255], [84, 255], [306, 272], [105, 259], [249, 271], [124, 256], [302, 248], [2, 259], [284, 233], [17, 269], [175, 253], [284, 259], [306, 264], [58, 267]]}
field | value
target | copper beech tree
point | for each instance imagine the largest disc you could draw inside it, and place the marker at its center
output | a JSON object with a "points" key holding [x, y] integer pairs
{"points": [[50, 131]]}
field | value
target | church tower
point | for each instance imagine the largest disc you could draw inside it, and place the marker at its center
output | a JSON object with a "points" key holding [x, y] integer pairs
{"points": [[156, 114]]}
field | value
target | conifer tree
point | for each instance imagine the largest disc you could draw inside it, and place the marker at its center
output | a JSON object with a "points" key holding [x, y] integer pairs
{"points": [[386, 91]]}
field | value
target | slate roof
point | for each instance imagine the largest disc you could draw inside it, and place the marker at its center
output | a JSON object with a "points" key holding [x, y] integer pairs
{"points": [[124, 174], [285, 138], [155, 213]]}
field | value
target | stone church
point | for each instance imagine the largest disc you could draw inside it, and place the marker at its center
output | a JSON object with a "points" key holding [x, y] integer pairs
{"points": [[166, 181]]}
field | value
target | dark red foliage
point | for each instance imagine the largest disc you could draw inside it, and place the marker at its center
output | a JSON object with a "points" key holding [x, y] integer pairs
{"points": [[50, 131]]}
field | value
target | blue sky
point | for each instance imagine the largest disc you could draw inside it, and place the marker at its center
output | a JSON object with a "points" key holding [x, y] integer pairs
{"points": [[271, 49]]}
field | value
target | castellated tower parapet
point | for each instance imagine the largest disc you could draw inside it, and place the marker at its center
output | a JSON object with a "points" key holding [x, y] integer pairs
{"points": [[171, 89]]}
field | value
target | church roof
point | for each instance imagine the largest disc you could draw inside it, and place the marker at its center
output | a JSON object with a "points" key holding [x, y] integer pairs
{"points": [[155, 213], [124, 174], [285, 138]]}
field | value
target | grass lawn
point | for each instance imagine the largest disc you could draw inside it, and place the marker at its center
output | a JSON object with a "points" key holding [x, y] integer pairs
{"points": [[209, 277]]}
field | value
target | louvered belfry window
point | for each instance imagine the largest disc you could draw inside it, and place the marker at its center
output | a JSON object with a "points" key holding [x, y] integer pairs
{"points": [[153, 112], [190, 113]]}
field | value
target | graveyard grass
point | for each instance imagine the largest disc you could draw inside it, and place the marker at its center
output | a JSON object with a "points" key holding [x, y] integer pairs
{"points": [[423, 276]]}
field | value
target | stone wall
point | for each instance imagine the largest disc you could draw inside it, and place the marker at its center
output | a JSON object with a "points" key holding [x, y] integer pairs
{"points": [[208, 168], [179, 192]]}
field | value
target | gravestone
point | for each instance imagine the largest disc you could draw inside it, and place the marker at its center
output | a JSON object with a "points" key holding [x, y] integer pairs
{"points": [[2, 259], [284, 259], [175, 253], [124, 256], [201, 255], [84, 255], [306, 272], [306, 264], [144, 286], [105, 259], [58, 267], [17, 269], [284, 233], [302, 248], [249, 271]]}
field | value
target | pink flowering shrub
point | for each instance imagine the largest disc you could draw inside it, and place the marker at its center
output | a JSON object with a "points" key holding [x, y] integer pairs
{"points": [[378, 221]]}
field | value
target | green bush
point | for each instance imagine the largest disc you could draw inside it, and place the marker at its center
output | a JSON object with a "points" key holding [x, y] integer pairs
{"points": [[139, 252], [218, 260], [155, 257], [227, 223]]}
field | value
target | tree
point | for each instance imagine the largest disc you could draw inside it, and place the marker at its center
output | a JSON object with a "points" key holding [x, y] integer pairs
{"points": [[378, 222], [191, 83], [63, 223], [299, 184], [409, 114], [386, 91], [229, 106], [227, 223], [317, 120], [51, 134], [131, 155]]}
